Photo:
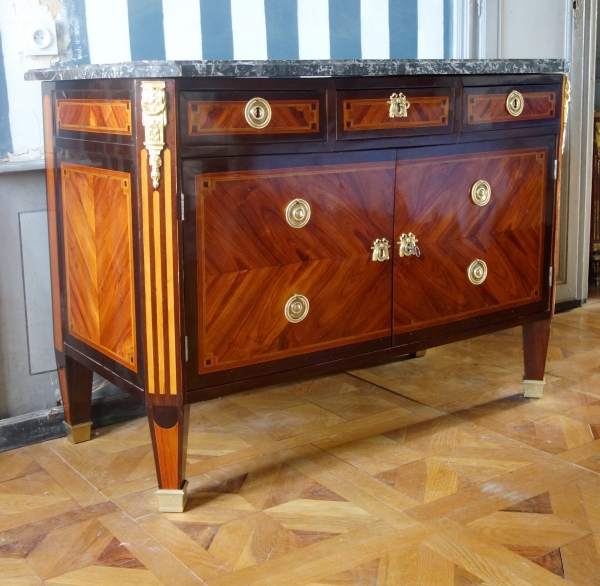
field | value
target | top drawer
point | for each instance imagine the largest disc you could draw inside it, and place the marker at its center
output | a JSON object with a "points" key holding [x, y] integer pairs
{"points": [[395, 112], [224, 117], [510, 106]]}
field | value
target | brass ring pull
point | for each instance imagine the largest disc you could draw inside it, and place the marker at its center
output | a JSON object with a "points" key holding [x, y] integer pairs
{"points": [[481, 192], [380, 250], [408, 245], [258, 113], [398, 105], [297, 213], [296, 308], [477, 272], [515, 103]]}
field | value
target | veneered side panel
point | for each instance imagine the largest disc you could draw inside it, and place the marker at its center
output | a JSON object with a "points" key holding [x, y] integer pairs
{"points": [[97, 226]]}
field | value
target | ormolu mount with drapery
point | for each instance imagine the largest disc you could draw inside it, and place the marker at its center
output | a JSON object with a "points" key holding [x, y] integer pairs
{"points": [[221, 226]]}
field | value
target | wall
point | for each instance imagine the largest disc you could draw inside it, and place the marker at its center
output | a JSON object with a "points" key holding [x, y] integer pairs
{"points": [[108, 31], [103, 31]]}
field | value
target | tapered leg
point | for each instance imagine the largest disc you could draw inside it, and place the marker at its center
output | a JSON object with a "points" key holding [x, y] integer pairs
{"points": [[76, 390], [169, 430], [162, 295], [535, 348]]}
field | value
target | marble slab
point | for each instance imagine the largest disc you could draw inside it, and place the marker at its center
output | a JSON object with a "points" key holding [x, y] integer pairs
{"points": [[297, 68]]}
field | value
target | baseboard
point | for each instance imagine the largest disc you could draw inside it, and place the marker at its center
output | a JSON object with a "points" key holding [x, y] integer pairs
{"points": [[566, 305], [40, 426]]}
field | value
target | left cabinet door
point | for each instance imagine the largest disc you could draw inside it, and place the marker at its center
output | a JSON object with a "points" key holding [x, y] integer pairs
{"points": [[285, 249]]}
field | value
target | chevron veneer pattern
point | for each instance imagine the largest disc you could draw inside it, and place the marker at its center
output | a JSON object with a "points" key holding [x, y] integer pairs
{"points": [[85, 115], [426, 472], [98, 241]]}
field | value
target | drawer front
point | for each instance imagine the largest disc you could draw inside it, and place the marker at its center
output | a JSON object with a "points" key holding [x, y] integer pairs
{"points": [[260, 117], [509, 107], [387, 113], [433, 202], [253, 261]]}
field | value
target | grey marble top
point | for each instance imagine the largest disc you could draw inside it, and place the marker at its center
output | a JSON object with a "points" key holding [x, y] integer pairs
{"points": [[319, 68]]}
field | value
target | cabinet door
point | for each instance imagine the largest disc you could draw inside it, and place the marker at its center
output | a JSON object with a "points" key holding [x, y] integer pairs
{"points": [[477, 257], [256, 267]]}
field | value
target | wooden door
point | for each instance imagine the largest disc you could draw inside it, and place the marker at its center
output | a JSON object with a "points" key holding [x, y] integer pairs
{"points": [[504, 238], [252, 261]]}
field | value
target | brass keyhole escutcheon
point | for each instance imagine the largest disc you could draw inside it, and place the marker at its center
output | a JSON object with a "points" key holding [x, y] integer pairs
{"points": [[399, 105], [477, 272], [380, 249], [258, 113], [296, 308], [481, 192], [515, 103], [297, 213], [408, 245]]}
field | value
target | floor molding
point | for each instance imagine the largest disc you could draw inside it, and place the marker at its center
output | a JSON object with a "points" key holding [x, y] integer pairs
{"points": [[40, 426], [566, 305]]}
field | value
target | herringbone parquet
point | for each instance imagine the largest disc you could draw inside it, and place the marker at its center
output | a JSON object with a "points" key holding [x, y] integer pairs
{"points": [[431, 472]]}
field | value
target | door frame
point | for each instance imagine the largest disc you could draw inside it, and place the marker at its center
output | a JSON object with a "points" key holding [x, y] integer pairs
{"points": [[480, 35]]}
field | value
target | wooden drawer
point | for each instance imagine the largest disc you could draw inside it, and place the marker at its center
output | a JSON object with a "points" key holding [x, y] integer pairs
{"points": [[366, 113], [209, 117], [253, 261], [433, 202], [488, 107], [94, 115]]}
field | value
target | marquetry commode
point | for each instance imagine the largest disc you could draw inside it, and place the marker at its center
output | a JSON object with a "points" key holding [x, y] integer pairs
{"points": [[219, 226]]}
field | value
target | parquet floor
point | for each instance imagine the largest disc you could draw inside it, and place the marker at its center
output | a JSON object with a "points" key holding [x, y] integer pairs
{"points": [[434, 471]]}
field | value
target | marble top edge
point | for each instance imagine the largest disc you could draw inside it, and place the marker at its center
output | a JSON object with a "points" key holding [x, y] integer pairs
{"points": [[298, 68]]}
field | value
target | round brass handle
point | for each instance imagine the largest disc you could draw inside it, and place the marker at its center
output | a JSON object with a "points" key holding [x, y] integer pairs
{"points": [[477, 272], [258, 113], [481, 192], [297, 213], [515, 103], [296, 308]]}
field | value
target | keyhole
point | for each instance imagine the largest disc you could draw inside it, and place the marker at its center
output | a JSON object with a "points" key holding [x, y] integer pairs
{"points": [[258, 113], [515, 103]]}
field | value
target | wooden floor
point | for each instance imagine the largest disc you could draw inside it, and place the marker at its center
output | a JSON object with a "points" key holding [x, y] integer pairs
{"points": [[433, 471]]}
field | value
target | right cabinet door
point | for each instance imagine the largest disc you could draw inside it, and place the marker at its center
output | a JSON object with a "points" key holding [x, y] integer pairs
{"points": [[481, 223]]}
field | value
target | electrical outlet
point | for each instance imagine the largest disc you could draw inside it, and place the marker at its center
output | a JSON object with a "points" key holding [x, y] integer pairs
{"points": [[40, 37]]}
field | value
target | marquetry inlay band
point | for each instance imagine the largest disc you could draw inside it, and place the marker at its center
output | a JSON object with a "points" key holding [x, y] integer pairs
{"points": [[159, 240]]}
